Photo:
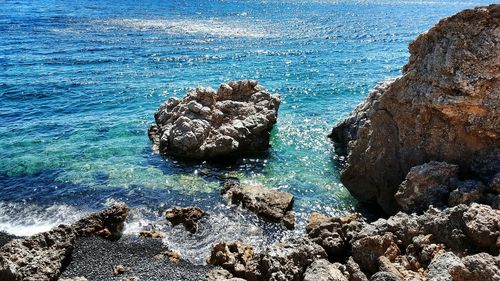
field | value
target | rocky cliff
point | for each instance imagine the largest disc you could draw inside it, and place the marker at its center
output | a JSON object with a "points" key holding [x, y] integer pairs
{"points": [[445, 107]]}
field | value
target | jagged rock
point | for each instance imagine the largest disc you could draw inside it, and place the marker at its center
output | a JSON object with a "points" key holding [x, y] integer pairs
{"points": [[467, 192], [425, 185], [482, 226], [355, 273], [235, 120], [268, 203], [156, 234], [188, 217], [443, 108], [323, 270], [384, 276], [481, 266], [284, 261], [173, 256], [366, 251], [334, 233], [233, 257], [222, 275], [42, 256], [107, 224], [440, 266]]}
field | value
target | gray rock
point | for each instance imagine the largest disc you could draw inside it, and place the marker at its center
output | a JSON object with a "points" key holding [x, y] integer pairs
{"points": [[425, 185], [481, 266], [323, 270], [235, 120], [187, 216], [284, 261], [268, 203], [384, 276], [440, 266], [443, 108], [42, 256]]}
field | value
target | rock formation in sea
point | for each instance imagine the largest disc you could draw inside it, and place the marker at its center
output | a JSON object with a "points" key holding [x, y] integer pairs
{"points": [[205, 124], [42, 256], [445, 107], [187, 216]]}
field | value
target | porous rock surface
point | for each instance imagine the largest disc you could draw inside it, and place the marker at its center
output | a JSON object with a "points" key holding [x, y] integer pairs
{"points": [[268, 203], [43, 256], [232, 256], [445, 107], [205, 124], [187, 216]]}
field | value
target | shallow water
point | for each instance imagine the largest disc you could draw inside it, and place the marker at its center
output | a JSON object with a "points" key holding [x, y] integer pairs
{"points": [[79, 83]]}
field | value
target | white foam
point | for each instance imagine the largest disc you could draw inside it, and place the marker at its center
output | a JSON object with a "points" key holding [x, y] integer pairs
{"points": [[25, 219]]}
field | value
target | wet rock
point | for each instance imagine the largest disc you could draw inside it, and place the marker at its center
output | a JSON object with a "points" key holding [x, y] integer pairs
{"points": [[443, 108], [366, 251], [42, 256], [481, 266], [333, 233], [120, 269], [107, 224], [188, 217], [284, 261], [384, 276], [235, 120], [323, 270], [233, 257], [156, 234], [425, 185], [268, 203], [173, 256]]}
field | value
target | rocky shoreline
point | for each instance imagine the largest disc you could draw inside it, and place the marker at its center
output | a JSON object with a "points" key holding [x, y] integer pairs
{"points": [[424, 147]]}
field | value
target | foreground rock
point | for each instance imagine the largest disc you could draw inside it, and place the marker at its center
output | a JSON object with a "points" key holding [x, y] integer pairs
{"points": [[443, 108], [42, 256], [233, 257], [188, 217], [461, 242], [205, 124], [267, 203]]}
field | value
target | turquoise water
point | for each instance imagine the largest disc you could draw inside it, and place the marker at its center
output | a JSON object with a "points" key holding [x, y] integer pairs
{"points": [[80, 81]]}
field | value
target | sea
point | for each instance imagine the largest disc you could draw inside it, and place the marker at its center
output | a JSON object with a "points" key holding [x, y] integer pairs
{"points": [[81, 80]]}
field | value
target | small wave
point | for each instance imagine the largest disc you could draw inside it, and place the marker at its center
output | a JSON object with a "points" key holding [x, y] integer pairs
{"points": [[25, 219]]}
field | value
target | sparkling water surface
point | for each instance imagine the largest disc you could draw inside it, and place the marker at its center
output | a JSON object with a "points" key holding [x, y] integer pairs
{"points": [[80, 81]]}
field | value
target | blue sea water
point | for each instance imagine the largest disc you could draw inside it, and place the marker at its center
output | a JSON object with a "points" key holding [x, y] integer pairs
{"points": [[80, 81]]}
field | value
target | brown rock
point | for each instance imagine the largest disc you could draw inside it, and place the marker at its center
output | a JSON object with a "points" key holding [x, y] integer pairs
{"points": [[425, 185], [367, 251], [233, 257], [156, 234], [120, 269], [268, 203], [188, 217], [443, 108]]}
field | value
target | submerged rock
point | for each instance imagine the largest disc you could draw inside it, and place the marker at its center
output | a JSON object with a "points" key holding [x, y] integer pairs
{"points": [[42, 256], [268, 203], [235, 120], [443, 108], [188, 217]]}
